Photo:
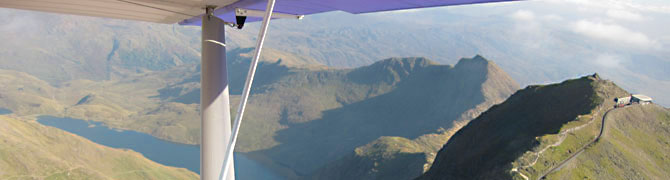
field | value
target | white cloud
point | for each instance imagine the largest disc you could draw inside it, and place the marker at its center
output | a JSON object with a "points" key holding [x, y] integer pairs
{"points": [[656, 8], [523, 15], [528, 28], [552, 17], [609, 60], [666, 39], [614, 34], [637, 5], [624, 15]]}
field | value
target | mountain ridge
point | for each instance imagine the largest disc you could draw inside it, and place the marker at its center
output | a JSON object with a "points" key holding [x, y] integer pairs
{"points": [[539, 127], [439, 96]]}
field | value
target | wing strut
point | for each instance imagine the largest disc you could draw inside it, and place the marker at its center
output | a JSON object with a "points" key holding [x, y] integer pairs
{"points": [[247, 88], [214, 99]]}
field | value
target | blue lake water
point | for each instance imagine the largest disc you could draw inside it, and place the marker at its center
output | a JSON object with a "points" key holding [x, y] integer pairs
{"points": [[161, 151], [5, 111]]}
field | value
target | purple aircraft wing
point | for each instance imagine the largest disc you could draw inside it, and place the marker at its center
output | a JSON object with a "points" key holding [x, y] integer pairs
{"points": [[306, 7]]}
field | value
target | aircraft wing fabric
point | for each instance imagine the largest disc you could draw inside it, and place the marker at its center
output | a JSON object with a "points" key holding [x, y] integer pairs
{"points": [[189, 12]]}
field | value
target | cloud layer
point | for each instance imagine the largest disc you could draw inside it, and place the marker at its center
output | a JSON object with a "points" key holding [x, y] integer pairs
{"points": [[624, 15], [614, 34], [523, 15]]}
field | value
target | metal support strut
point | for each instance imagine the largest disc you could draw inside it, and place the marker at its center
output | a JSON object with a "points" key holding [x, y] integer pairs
{"points": [[214, 99], [227, 171]]}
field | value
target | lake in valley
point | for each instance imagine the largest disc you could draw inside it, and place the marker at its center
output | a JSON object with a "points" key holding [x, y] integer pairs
{"points": [[161, 151]]}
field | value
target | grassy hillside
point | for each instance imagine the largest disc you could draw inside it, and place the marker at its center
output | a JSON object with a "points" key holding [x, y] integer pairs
{"points": [[635, 145], [120, 104], [29, 150], [532, 131], [26, 94], [159, 103]]}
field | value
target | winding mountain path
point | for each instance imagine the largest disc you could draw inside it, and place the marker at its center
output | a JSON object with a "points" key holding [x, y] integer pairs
{"points": [[602, 129], [562, 135]]}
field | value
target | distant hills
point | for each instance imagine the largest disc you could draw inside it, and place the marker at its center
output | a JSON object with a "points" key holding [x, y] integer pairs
{"points": [[59, 48], [33, 151], [538, 127]]}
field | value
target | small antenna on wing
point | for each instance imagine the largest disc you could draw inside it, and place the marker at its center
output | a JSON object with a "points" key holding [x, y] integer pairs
{"points": [[242, 14]]}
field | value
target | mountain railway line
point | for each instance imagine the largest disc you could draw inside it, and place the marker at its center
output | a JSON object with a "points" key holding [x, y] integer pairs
{"points": [[602, 129]]}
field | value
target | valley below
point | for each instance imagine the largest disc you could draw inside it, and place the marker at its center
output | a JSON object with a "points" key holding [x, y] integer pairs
{"points": [[301, 117], [160, 151]]}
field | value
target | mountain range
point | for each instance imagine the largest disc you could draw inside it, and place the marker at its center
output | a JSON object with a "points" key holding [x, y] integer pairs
{"points": [[300, 117]]}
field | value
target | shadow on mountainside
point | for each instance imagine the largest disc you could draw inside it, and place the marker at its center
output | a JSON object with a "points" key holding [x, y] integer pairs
{"points": [[428, 97], [187, 91]]}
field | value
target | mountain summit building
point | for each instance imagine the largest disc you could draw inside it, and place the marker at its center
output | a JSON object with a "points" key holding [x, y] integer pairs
{"points": [[641, 99], [633, 99]]}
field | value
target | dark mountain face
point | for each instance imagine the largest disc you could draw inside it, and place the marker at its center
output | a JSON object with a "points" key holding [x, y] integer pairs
{"points": [[396, 97], [490, 144], [408, 156], [187, 90]]}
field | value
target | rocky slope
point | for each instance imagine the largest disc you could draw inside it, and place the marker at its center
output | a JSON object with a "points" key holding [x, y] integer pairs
{"points": [[29, 150], [539, 127]]}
